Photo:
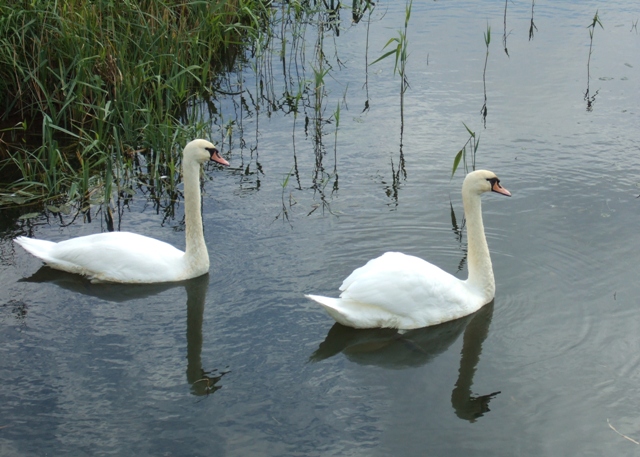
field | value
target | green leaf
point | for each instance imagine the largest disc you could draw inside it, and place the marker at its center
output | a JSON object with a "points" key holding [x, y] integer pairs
{"points": [[408, 13], [487, 36], [391, 40], [384, 56], [286, 180], [456, 162], [469, 130], [28, 216]]}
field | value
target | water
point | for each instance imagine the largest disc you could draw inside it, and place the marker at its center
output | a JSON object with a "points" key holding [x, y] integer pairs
{"points": [[239, 363]]}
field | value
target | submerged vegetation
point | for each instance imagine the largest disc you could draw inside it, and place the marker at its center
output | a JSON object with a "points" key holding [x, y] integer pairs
{"points": [[87, 87]]}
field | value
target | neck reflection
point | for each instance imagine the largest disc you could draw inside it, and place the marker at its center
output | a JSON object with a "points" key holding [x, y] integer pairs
{"points": [[389, 348], [202, 382]]}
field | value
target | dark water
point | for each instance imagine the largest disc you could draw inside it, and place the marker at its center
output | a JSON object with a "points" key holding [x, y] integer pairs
{"points": [[239, 363]]}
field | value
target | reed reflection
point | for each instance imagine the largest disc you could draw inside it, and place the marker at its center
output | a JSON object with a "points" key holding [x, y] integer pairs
{"points": [[202, 382], [389, 348]]}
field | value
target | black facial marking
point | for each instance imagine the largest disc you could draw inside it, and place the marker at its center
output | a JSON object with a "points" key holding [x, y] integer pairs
{"points": [[213, 152], [494, 181]]}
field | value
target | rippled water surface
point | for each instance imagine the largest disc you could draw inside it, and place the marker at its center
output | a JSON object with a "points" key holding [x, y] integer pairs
{"points": [[238, 363]]}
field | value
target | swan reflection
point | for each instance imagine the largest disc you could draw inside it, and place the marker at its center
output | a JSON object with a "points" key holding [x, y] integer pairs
{"points": [[389, 348], [202, 382]]}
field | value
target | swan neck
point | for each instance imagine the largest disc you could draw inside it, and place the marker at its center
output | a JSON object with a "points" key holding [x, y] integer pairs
{"points": [[478, 258], [196, 248]]}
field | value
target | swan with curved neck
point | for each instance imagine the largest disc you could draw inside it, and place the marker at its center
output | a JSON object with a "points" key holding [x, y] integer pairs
{"points": [[402, 291], [126, 257]]}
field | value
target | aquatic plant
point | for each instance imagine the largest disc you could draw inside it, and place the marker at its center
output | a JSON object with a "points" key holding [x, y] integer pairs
{"points": [[285, 212], [532, 26], [487, 41], [504, 33], [590, 99], [400, 46], [366, 57], [472, 143]]}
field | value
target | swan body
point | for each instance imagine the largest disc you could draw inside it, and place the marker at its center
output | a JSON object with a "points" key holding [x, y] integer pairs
{"points": [[401, 291], [125, 257]]}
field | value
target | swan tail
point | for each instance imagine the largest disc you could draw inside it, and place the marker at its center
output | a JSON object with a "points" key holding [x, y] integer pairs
{"points": [[331, 306], [334, 307], [324, 301], [360, 315], [39, 248], [43, 250]]}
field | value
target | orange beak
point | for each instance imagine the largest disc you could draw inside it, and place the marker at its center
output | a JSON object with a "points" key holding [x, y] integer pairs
{"points": [[496, 187], [215, 156]]}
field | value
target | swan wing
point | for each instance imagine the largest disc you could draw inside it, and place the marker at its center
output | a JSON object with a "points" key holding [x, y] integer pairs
{"points": [[112, 256], [398, 290]]}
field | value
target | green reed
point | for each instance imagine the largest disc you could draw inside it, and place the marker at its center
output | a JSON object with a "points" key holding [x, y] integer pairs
{"points": [[399, 49], [97, 86]]}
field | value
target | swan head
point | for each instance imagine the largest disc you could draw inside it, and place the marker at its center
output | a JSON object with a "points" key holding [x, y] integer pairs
{"points": [[201, 151], [480, 181]]}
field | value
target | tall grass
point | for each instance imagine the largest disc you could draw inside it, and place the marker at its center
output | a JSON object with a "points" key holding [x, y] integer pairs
{"points": [[86, 87]]}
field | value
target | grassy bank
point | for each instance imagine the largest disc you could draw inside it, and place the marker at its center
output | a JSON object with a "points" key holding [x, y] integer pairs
{"points": [[90, 91]]}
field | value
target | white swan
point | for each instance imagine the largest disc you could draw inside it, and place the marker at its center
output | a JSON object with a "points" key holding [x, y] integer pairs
{"points": [[125, 257], [402, 291]]}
